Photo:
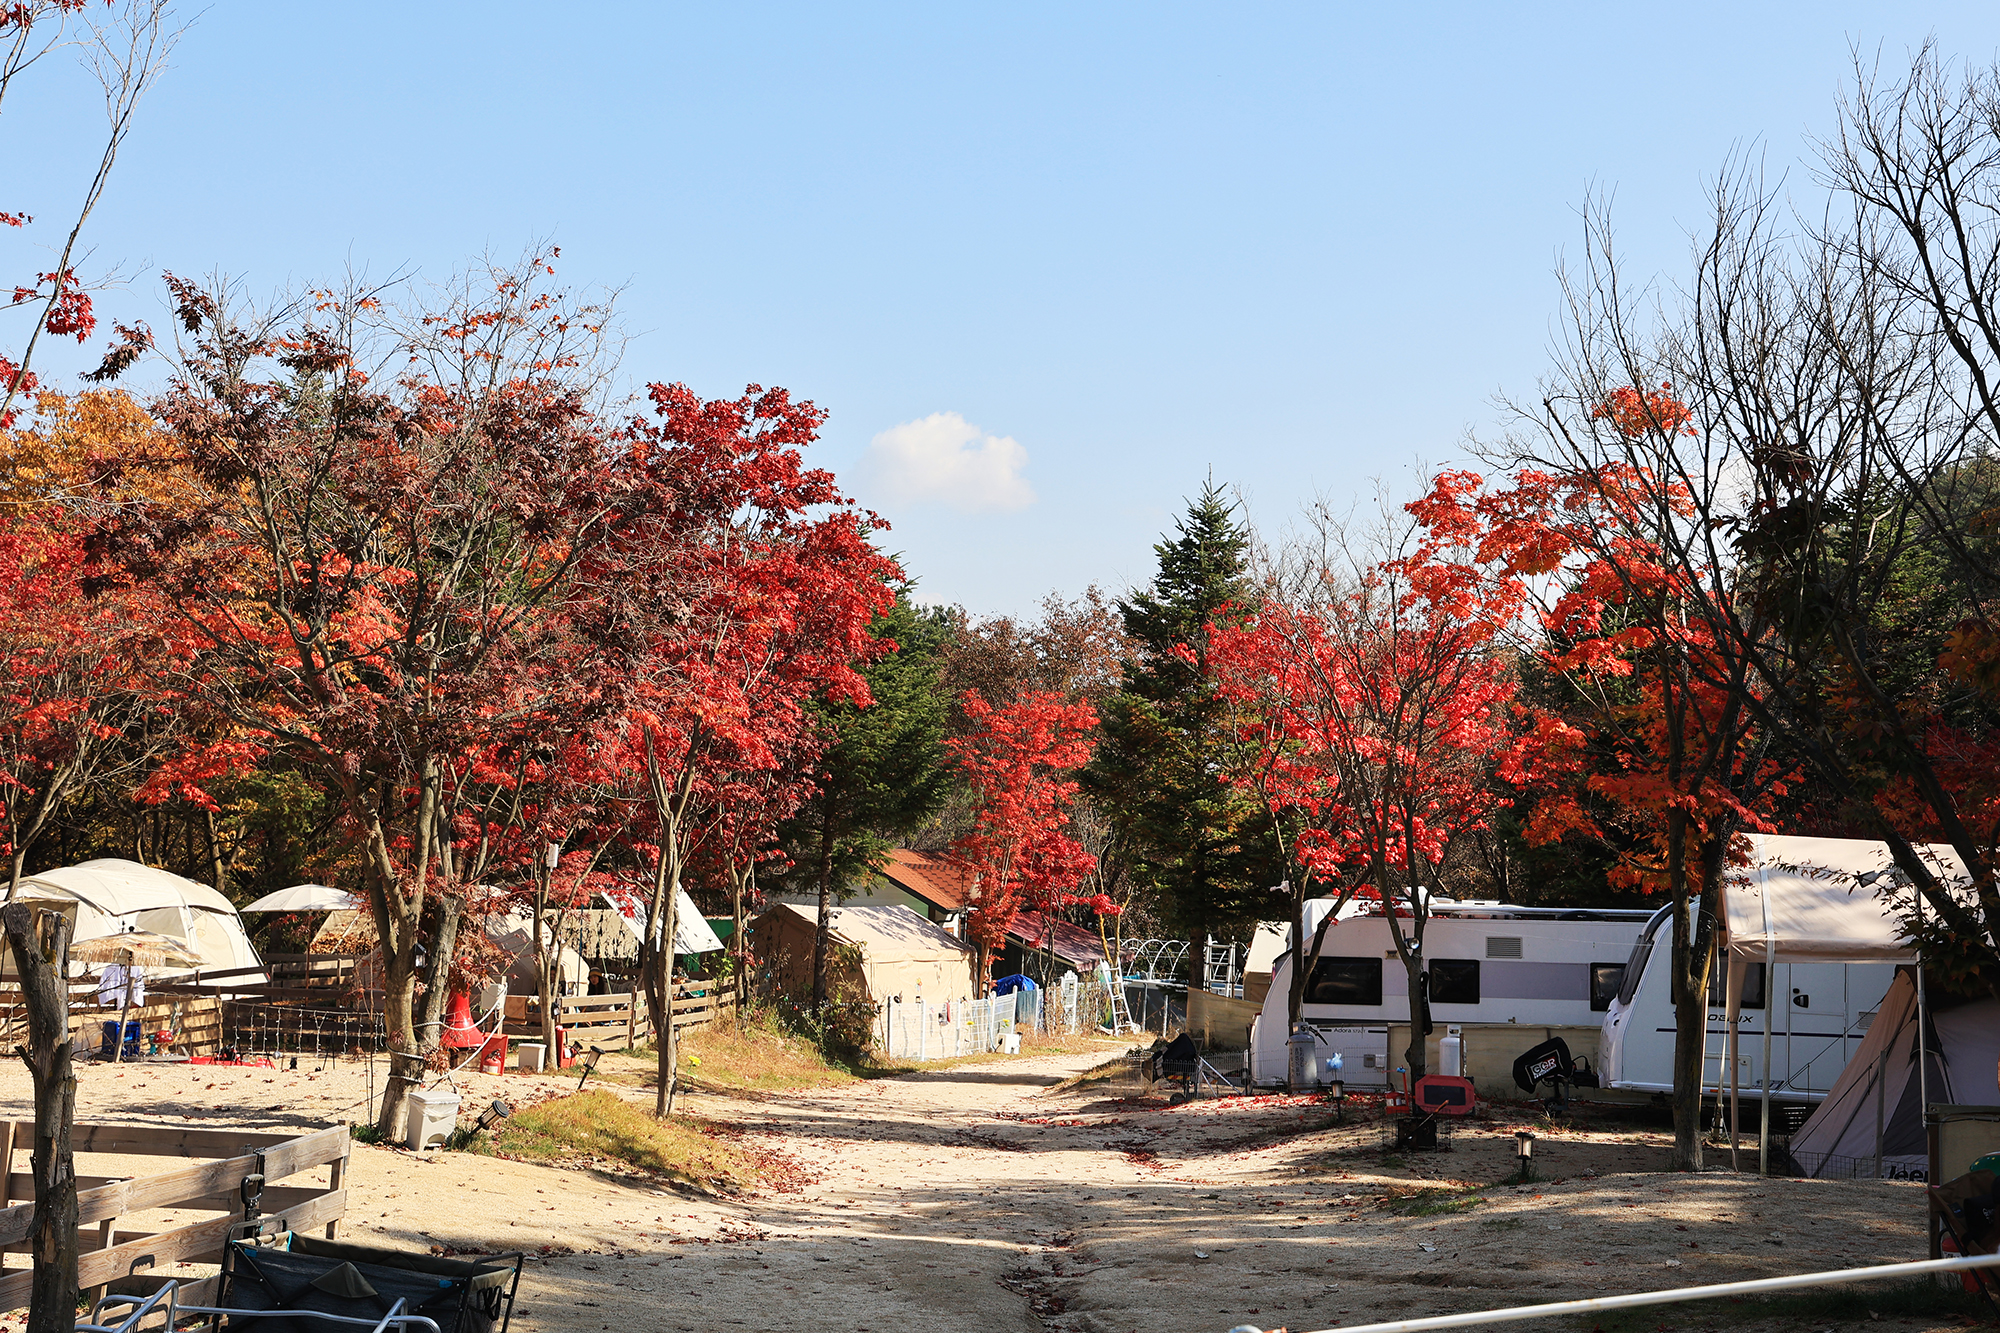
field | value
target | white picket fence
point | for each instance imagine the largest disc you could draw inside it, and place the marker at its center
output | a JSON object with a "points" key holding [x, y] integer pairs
{"points": [[917, 1030]]}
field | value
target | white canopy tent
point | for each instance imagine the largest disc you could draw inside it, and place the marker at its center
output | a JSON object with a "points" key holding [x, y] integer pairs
{"points": [[307, 898], [1812, 900], [111, 896]]}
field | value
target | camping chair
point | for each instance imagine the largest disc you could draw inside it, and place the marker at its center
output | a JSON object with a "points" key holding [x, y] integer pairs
{"points": [[1965, 1208]]}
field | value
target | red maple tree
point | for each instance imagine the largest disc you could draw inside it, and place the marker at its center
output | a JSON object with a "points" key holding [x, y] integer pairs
{"points": [[1019, 761]]}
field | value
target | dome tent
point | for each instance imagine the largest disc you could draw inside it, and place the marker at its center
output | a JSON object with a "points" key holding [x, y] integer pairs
{"points": [[111, 896]]}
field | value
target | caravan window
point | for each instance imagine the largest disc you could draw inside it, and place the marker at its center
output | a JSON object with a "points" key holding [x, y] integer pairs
{"points": [[1454, 981], [1345, 981], [1635, 966], [1605, 980], [1753, 985]]}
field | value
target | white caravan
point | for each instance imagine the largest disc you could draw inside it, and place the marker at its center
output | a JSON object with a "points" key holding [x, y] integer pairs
{"points": [[1822, 1012], [1490, 965]]}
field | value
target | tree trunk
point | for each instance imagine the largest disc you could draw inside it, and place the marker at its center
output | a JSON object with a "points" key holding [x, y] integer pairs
{"points": [[40, 957], [437, 974], [406, 1060], [823, 934], [1690, 1034], [1410, 949], [739, 884], [668, 1045], [544, 991]]}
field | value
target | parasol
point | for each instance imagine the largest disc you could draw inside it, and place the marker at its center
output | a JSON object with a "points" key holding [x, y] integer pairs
{"points": [[133, 948], [140, 948], [306, 898]]}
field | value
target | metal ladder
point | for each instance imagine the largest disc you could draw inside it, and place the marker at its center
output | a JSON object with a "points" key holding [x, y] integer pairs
{"points": [[1219, 968], [1121, 1013]]}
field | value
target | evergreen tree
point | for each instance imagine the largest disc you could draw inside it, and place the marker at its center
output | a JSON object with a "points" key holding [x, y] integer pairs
{"points": [[1200, 848], [882, 773]]}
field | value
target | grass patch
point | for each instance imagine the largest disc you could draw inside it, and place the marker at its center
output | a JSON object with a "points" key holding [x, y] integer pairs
{"points": [[761, 1057], [604, 1128], [1501, 1223], [1433, 1203], [1858, 1302]]}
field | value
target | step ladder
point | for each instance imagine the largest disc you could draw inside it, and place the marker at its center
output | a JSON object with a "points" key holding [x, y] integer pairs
{"points": [[1219, 968], [1121, 1013]]}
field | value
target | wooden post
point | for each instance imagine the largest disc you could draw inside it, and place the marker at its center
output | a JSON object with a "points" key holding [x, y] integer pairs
{"points": [[107, 1236], [631, 1020], [336, 1173], [6, 1161]]}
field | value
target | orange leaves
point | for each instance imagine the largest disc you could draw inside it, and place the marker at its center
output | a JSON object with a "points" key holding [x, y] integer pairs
{"points": [[1634, 412]]}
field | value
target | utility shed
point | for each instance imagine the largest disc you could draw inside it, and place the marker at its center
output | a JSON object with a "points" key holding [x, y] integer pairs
{"points": [[880, 953]]}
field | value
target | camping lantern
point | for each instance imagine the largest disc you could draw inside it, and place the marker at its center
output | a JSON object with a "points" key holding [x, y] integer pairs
{"points": [[1524, 1152], [1336, 1089], [492, 1116]]}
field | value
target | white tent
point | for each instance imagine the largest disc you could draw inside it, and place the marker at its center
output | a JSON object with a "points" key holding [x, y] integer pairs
{"points": [[111, 896], [307, 898], [514, 931], [1872, 1122], [1812, 900], [692, 933]]}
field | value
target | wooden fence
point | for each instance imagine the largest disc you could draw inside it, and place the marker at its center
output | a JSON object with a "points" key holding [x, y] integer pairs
{"points": [[619, 1020], [215, 1185], [193, 1016]]}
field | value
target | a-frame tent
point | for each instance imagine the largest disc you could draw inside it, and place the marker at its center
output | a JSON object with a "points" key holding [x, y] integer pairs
{"points": [[1872, 1122]]}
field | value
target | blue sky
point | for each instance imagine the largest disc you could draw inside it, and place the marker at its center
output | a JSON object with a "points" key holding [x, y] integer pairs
{"points": [[1047, 266]]}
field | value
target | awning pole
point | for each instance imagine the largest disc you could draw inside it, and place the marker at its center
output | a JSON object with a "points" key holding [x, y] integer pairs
{"points": [[1732, 988], [1770, 980], [1923, 1055]]}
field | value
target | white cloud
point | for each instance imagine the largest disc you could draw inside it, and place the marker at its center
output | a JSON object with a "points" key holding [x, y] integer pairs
{"points": [[945, 459]]}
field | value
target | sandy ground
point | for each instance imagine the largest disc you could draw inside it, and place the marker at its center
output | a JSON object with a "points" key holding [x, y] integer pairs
{"points": [[975, 1198]]}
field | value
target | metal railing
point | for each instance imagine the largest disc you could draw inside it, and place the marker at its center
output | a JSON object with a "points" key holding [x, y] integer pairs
{"points": [[1673, 1295]]}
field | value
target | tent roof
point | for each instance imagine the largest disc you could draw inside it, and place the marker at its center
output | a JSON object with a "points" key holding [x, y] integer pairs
{"points": [[882, 931], [120, 888], [937, 882], [1801, 896]]}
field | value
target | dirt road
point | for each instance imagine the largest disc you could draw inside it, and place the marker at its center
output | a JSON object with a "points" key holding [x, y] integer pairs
{"points": [[974, 1199]]}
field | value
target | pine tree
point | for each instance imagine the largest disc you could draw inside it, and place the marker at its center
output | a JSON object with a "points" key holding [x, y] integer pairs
{"points": [[882, 773], [1199, 847]]}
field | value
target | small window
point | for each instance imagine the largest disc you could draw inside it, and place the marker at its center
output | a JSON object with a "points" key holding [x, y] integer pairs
{"points": [[1503, 946], [1345, 981], [1454, 981], [1605, 981], [1753, 985]]}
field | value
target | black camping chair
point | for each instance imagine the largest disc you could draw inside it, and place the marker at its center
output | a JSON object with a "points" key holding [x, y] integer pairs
{"points": [[311, 1285], [1180, 1061], [1551, 1064]]}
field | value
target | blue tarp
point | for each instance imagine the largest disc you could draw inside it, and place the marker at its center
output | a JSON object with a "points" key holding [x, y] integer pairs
{"points": [[1008, 985]]}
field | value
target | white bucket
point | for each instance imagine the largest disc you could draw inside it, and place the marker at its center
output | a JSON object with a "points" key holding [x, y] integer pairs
{"points": [[431, 1117], [530, 1056]]}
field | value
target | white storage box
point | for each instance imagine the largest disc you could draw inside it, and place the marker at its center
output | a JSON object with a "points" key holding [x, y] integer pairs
{"points": [[530, 1056], [431, 1116]]}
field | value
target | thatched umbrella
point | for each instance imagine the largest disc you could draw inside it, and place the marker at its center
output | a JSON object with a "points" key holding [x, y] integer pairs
{"points": [[133, 948]]}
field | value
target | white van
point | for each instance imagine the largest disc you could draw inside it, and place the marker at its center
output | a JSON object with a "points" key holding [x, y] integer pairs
{"points": [[1490, 966], [1822, 1011]]}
